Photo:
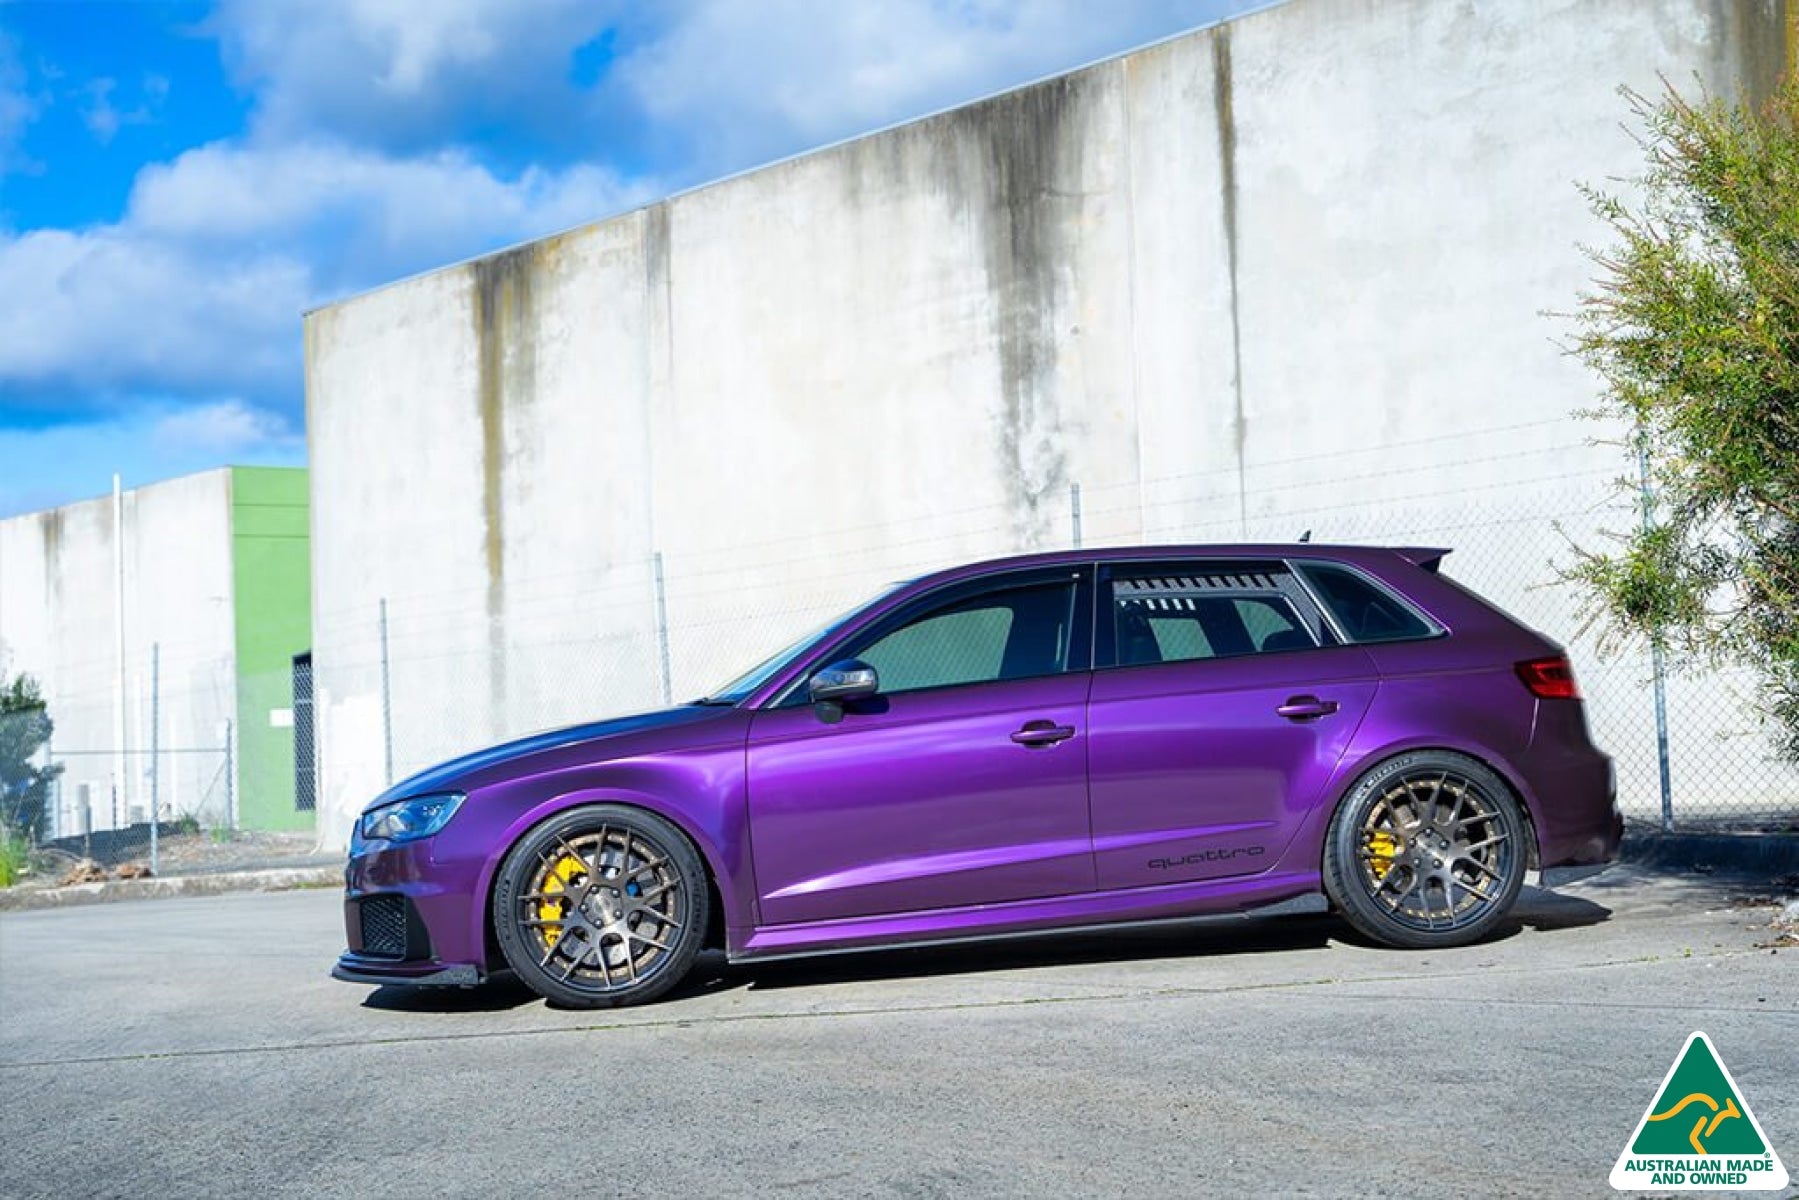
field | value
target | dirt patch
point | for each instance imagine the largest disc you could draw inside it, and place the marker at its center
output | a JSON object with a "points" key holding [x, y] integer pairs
{"points": [[182, 855]]}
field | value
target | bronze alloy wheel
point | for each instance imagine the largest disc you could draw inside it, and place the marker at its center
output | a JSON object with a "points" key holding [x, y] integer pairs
{"points": [[601, 906], [1428, 849]]}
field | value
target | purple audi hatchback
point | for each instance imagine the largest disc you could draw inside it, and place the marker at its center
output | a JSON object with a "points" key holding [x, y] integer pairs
{"points": [[1049, 742]]}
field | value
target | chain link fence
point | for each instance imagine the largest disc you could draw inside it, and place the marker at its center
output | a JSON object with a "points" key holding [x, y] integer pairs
{"points": [[176, 766], [415, 679], [146, 774]]}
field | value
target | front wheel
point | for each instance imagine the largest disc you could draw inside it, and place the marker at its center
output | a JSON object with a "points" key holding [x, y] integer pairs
{"points": [[601, 906], [1427, 850]]}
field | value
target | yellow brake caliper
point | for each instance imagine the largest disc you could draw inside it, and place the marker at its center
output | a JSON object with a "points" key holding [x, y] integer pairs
{"points": [[1382, 847], [556, 880]]}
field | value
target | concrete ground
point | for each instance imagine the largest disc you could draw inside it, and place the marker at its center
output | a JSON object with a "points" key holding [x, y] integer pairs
{"points": [[196, 1047]]}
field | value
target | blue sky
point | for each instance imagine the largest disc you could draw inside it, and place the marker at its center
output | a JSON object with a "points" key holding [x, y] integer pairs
{"points": [[179, 181]]}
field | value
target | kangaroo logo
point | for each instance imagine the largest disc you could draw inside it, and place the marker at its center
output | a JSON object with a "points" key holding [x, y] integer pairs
{"points": [[1707, 1122]]}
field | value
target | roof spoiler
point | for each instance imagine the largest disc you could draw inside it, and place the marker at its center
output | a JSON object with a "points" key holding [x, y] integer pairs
{"points": [[1428, 557]]}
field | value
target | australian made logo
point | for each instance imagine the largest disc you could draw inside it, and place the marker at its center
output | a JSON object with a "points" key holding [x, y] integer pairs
{"points": [[1698, 1133]]}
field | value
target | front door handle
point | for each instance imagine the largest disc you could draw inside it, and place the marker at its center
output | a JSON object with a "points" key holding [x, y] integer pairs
{"points": [[1304, 708], [1042, 733]]}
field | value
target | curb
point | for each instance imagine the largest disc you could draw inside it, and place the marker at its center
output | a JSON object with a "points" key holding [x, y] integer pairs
{"points": [[1769, 855], [280, 880]]}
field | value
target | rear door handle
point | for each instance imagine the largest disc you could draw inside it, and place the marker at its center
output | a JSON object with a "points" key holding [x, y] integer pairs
{"points": [[1304, 708], [1042, 733]]}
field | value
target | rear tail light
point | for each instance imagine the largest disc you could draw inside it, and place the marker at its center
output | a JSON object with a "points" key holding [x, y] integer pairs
{"points": [[1549, 678]]}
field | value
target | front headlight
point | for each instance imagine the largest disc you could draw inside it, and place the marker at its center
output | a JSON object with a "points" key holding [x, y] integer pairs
{"points": [[410, 820]]}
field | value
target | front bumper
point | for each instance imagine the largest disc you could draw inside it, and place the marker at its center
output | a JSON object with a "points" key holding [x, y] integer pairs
{"points": [[407, 919], [354, 968]]}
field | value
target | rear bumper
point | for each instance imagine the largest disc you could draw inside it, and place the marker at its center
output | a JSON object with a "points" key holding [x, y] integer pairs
{"points": [[1578, 822]]}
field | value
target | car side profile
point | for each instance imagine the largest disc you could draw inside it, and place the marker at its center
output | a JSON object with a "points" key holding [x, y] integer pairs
{"points": [[1048, 742]]}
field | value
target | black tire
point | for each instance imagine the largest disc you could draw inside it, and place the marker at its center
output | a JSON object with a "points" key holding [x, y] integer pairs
{"points": [[601, 906], [1427, 850]]}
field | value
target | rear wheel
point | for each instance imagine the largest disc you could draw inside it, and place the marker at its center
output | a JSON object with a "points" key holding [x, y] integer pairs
{"points": [[1428, 849], [601, 906]]}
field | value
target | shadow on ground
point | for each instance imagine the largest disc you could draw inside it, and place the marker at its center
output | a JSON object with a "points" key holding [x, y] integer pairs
{"points": [[1537, 909], [1544, 911]]}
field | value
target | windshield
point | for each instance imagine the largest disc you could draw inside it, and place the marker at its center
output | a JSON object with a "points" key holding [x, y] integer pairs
{"points": [[739, 688]]}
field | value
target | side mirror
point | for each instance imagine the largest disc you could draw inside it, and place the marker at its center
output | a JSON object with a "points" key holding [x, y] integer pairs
{"points": [[851, 679]]}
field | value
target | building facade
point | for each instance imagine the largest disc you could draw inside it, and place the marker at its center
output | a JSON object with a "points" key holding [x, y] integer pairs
{"points": [[211, 573]]}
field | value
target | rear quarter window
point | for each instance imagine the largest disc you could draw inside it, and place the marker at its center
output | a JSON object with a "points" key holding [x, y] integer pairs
{"points": [[1364, 610]]}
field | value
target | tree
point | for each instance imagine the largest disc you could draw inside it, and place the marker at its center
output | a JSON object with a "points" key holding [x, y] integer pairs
{"points": [[25, 727], [1693, 325]]}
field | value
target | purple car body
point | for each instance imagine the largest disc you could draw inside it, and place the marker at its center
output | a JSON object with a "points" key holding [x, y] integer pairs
{"points": [[1177, 741]]}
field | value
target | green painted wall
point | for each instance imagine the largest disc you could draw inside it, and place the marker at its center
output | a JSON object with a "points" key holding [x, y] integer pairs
{"points": [[271, 571]]}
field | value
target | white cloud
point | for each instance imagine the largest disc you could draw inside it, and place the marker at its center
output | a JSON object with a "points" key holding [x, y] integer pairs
{"points": [[401, 74], [223, 427], [104, 118], [386, 213], [199, 289], [19, 105], [112, 308]]}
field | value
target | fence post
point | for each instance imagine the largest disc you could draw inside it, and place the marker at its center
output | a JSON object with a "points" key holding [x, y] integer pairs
{"points": [[387, 702], [155, 747], [54, 799], [118, 628], [668, 692], [230, 775], [1074, 510], [1655, 651]]}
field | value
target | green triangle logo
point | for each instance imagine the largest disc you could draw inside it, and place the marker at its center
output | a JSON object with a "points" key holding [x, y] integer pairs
{"points": [[1699, 1133]]}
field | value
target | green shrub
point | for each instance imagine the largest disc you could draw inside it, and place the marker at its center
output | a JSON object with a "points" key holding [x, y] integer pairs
{"points": [[14, 854]]}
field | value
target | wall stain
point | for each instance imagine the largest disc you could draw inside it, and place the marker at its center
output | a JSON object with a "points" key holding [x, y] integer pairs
{"points": [[1030, 149], [655, 250], [50, 527], [659, 353], [506, 370], [1223, 88], [1755, 42]]}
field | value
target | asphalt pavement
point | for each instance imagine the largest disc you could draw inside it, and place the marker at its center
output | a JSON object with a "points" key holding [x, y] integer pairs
{"points": [[196, 1047]]}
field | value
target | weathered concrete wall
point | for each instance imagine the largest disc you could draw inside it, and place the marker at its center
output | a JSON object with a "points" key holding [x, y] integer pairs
{"points": [[57, 613], [1283, 274]]}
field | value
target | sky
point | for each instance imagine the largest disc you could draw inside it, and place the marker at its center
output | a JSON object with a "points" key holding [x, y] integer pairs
{"points": [[180, 181]]}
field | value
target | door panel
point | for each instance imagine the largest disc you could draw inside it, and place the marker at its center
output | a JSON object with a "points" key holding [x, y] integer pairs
{"points": [[1194, 773], [923, 800]]}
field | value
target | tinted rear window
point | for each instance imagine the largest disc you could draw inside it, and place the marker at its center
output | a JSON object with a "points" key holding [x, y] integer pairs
{"points": [[1366, 611], [1163, 614]]}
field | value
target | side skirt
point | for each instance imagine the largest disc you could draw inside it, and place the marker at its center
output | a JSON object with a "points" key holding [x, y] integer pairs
{"points": [[1172, 905]]}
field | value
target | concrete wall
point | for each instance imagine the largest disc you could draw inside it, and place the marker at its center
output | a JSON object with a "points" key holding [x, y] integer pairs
{"points": [[1283, 274], [57, 613]]}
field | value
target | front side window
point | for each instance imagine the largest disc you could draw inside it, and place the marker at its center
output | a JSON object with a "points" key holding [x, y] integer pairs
{"points": [[1016, 633], [768, 668], [1163, 616]]}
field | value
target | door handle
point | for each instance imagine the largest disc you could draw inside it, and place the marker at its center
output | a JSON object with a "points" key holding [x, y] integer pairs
{"points": [[1042, 733], [1304, 708]]}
